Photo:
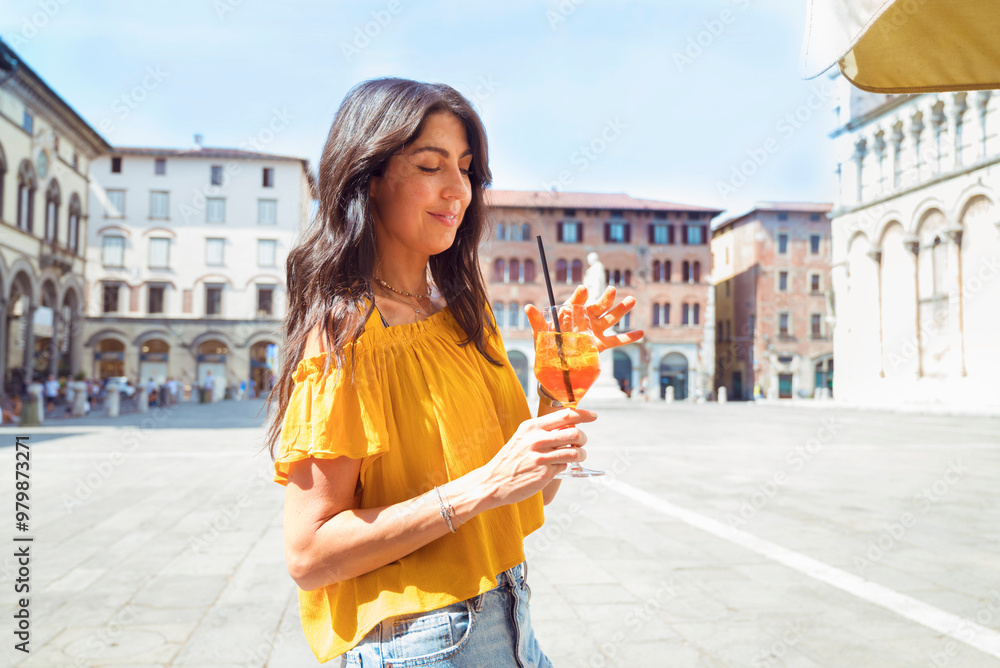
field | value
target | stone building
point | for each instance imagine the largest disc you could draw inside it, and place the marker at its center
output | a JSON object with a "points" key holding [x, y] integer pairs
{"points": [[45, 152], [656, 251], [771, 268], [186, 253], [916, 248]]}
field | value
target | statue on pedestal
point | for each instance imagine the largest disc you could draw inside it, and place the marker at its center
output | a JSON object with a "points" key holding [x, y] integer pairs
{"points": [[595, 280]]}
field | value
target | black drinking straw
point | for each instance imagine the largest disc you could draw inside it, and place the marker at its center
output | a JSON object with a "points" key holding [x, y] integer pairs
{"points": [[555, 321]]}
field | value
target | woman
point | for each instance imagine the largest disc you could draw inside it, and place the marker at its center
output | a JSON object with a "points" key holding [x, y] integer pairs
{"points": [[413, 469]]}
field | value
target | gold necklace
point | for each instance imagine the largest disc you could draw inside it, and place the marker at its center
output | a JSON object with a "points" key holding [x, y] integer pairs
{"points": [[400, 292], [415, 309]]}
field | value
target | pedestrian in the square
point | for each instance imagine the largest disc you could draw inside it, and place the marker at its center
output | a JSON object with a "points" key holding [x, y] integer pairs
{"points": [[412, 465], [51, 389], [209, 386]]}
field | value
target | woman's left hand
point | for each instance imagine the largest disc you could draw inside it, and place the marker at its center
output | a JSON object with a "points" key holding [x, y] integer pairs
{"points": [[603, 315]]}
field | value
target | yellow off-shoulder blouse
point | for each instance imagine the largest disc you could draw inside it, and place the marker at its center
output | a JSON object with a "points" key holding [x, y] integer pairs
{"points": [[422, 411]]}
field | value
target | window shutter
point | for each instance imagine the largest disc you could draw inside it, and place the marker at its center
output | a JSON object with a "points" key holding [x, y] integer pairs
{"points": [[607, 232], [652, 233], [559, 232], [628, 233], [684, 234], [670, 234], [579, 233], [704, 234]]}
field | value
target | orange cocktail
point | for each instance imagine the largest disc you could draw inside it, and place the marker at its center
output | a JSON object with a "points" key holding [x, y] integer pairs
{"points": [[566, 365]]}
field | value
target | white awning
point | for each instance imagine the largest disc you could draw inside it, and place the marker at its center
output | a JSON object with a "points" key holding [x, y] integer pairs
{"points": [[905, 46]]}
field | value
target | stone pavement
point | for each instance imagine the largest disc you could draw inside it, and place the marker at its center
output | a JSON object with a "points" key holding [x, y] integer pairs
{"points": [[735, 535]]}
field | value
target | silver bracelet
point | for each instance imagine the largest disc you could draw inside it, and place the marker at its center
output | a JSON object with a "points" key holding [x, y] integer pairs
{"points": [[547, 398], [447, 512]]}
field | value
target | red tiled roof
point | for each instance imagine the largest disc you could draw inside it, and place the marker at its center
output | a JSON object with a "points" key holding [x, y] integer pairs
{"points": [[791, 207], [217, 153], [568, 200]]}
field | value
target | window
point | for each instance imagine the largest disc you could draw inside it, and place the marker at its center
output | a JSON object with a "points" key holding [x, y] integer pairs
{"points": [[216, 177], [74, 223], [617, 232], [783, 325], [817, 325], [110, 298], [154, 299], [660, 234], [782, 216], [686, 271], [661, 271], [729, 330], [53, 199], [666, 314], [498, 271], [265, 302], [569, 213], [814, 240], [814, 217], [628, 278], [782, 281], [498, 313], [514, 271], [814, 283], [213, 300], [782, 243], [116, 165], [529, 271], [116, 204], [159, 205], [685, 314], [561, 271], [266, 252], [576, 272], [267, 211], [501, 232], [513, 316], [213, 251], [525, 232], [215, 210], [28, 123], [656, 315], [514, 233], [570, 232], [113, 251], [160, 167], [696, 272], [727, 286], [268, 177], [159, 253], [695, 234], [696, 314], [76, 161]]}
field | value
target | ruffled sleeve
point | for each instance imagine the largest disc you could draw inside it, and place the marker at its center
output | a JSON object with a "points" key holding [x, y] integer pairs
{"points": [[330, 416]]}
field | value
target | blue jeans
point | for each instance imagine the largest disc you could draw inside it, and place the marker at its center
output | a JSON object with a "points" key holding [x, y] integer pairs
{"points": [[490, 630]]}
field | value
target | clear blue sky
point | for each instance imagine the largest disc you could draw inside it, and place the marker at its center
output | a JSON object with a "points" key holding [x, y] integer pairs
{"points": [[548, 77]]}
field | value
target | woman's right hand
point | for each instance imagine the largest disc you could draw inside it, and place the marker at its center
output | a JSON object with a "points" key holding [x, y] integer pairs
{"points": [[535, 454]]}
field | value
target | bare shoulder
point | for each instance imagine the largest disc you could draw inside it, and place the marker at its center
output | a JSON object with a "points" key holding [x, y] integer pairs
{"points": [[315, 342]]}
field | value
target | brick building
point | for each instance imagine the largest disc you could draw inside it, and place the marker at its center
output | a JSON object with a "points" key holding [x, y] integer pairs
{"points": [[771, 268], [658, 252]]}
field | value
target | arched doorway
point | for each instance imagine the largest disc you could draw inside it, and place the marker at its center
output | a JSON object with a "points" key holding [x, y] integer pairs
{"points": [[109, 358], [263, 365], [212, 359], [153, 358], [674, 373], [623, 371], [519, 361], [823, 372]]}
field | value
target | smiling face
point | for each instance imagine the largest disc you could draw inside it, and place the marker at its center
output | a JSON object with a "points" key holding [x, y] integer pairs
{"points": [[421, 197]]}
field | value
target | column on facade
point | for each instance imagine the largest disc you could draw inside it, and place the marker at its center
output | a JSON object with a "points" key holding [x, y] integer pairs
{"points": [[896, 162], [29, 344], [875, 253], [860, 152], [955, 107], [4, 326], [916, 128], [54, 342], [981, 108], [75, 342], [912, 244], [955, 335]]}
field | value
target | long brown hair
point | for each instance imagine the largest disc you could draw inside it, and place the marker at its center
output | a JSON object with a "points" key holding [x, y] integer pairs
{"points": [[329, 270]]}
